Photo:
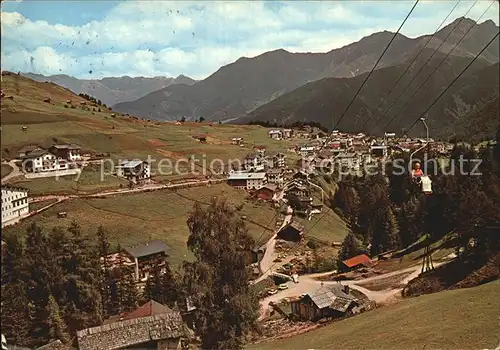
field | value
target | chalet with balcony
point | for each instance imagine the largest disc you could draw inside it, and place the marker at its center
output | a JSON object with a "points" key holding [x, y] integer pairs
{"points": [[43, 161], [275, 176], [134, 170], [145, 255]]}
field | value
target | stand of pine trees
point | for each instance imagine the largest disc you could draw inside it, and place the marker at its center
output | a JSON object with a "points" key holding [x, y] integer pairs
{"points": [[53, 284], [387, 213]]}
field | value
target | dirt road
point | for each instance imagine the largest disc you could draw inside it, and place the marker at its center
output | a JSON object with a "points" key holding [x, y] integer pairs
{"points": [[14, 173], [269, 255], [308, 283]]}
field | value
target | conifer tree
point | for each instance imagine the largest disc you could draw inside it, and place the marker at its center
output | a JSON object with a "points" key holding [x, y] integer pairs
{"points": [[39, 276], [124, 296], [153, 289], [103, 251], [57, 327], [15, 316], [351, 246], [385, 234], [82, 286], [217, 281]]}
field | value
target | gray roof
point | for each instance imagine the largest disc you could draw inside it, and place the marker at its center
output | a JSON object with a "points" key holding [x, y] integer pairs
{"points": [[130, 163], [35, 154], [149, 248], [67, 146], [331, 296], [29, 148]]}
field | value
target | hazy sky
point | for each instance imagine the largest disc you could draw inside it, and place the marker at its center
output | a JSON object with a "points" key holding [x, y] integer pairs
{"points": [[92, 39]]}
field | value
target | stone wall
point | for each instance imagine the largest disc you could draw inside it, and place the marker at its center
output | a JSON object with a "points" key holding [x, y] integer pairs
{"points": [[131, 332]]}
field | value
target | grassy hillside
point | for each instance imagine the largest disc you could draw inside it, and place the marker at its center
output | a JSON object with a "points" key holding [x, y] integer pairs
{"points": [[135, 218], [458, 319], [99, 132]]}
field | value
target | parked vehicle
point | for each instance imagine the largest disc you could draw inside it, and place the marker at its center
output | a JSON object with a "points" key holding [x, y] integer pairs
{"points": [[272, 291], [282, 286]]}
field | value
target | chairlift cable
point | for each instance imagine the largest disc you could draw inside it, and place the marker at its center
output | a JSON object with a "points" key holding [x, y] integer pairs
{"points": [[436, 68], [375, 66], [384, 99], [454, 80]]}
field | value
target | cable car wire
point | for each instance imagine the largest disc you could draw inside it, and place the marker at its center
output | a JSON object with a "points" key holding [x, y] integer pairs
{"points": [[451, 84], [376, 64], [384, 99], [436, 50], [436, 68]]}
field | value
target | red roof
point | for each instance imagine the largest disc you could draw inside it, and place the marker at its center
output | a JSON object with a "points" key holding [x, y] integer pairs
{"points": [[362, 259], [149, 309]]}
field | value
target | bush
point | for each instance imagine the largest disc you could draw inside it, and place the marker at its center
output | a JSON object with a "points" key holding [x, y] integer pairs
{"points": [[312, 244], [325, 265]]}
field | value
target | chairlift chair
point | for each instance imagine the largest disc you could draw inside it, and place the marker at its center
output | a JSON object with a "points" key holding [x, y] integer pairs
{"points": [[426, 184]]}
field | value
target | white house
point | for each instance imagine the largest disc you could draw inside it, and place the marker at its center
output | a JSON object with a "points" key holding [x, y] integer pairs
{"points": [[43, 161], [249, 181], [307, 151], [275, 134], [134, 170], [237, 141], [15, 205]]}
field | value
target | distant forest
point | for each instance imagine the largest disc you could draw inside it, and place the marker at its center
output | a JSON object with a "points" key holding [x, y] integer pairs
{"points": [[297, 124]]}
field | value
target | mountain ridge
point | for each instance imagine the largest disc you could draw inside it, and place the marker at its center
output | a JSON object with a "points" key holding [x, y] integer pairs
{"points": [[112, 90], [235, 90]]}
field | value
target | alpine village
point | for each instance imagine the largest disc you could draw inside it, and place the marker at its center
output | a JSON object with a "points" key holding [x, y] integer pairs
{"points": [[344, 198]]}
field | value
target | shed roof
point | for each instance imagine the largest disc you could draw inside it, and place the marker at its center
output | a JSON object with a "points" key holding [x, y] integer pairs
{"points": [[149, 248], [271, 187], [150, 308], [296, 225], [356, 260], [35, 154], [29, 148], [247, 176]]}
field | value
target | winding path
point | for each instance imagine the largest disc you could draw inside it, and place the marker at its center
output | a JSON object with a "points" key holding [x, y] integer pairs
{"points": [[269, 255], [14, 173], [308, 283]]}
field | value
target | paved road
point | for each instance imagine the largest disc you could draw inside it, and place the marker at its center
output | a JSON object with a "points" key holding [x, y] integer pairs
{"points": [[269, 255], [14, 173]]}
